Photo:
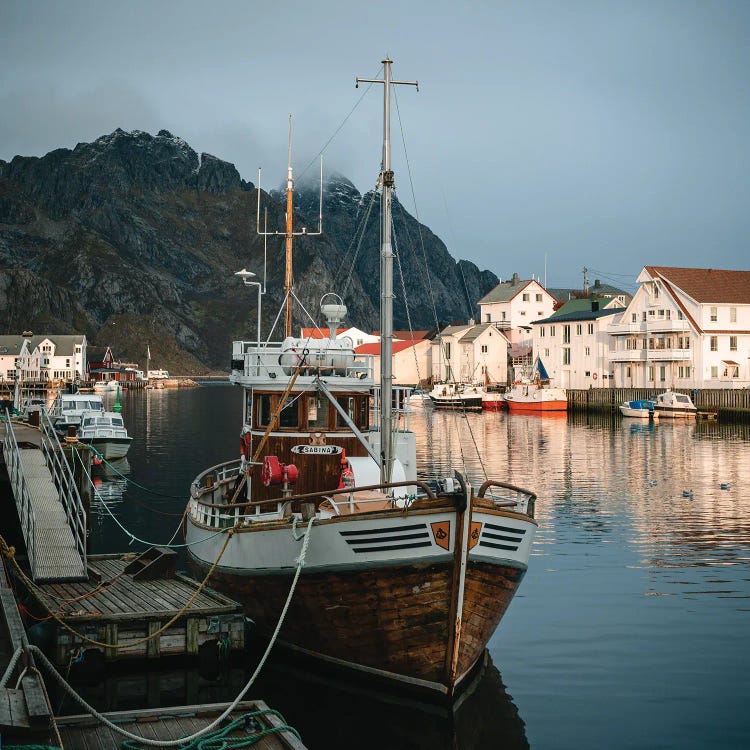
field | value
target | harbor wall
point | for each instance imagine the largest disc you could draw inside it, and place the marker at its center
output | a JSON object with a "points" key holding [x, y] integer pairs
{"points": [[730, 403]]}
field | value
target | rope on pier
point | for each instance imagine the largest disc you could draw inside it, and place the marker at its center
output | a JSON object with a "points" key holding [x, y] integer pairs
{"points": [[130, 644], [173, 743]]}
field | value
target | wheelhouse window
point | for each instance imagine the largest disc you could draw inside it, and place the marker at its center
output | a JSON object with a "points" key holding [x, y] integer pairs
{"points": [[317, 412], [263, 409], [289, 415]]}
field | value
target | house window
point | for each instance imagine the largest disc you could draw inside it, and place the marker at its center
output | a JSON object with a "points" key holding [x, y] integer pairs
{"points": [[714, 343], [628, 372], [591, 329], [714, 314], [732, 343], [566, 334], [732, 314], [680, 315], [523, 312], [503, 315], [732, 371], [552, 330], [538, 297], [656, 291], [484, 348], [488, 318], [652, 313], [661, 313], [669, 315], [715, 372], [546, 352], [650, 372], [662, 373], [526, 297], [566, 355], [579, 329], [447, 349], [541, 331], [634, 317], [587, 351]]}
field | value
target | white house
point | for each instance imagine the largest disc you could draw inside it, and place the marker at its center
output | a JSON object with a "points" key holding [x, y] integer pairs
{"points": [[573, 343], [512, 306], [52, 358], [10, 351], [685, 328], [411, 360], [470, 354]]}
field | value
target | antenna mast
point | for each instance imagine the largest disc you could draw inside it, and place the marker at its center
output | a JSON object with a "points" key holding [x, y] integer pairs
{"points": [[386, 182], [289, 233]]}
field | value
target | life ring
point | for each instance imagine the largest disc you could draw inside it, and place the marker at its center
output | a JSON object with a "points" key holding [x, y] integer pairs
{"points": [[595, 376], [245, 441]]}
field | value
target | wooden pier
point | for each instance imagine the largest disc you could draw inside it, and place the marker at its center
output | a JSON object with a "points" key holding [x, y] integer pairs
{"points": [[126, 607]]}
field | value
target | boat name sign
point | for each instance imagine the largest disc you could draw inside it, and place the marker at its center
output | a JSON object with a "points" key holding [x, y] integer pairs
{"points": [[326, 450]]}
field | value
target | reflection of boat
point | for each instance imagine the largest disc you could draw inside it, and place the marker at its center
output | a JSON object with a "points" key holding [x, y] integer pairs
{"points": [[402, 578], [639, 409], [106, 432], [671, 405], [457, 396]]}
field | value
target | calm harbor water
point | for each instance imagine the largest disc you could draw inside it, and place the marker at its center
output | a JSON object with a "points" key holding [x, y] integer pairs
{"points": [[629, 631]]}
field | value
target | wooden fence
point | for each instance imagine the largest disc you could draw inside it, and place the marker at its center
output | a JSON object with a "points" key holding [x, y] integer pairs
{"points": [[730, 403]]}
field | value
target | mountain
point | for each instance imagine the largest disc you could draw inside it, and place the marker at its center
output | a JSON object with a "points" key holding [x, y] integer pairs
{"points": [[134, 239]]}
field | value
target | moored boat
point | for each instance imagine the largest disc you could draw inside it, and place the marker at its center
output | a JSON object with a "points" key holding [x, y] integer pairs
{"points": [[639, 409], [672, 405], [106, 432], [68, 408], [493, 400], [335, 543], [535, 396], [463, 396]]}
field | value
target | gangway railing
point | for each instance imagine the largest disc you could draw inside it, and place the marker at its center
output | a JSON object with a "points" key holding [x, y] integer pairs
{"points": [[20, 487], [64, 481]]}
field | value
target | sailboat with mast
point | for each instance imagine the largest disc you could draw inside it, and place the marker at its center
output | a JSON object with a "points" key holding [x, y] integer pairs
{"points": [[404, 577]]}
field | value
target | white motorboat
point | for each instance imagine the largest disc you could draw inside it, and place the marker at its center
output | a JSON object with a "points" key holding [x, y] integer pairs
{"points": [[373, 568], [640, 409], [673, 405], [106, 432], [68, 408], [105, 386], [462, 396]]}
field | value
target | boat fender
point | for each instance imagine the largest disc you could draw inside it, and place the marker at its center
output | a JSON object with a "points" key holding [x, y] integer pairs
{"points": [[347, 475], [245, 443]]}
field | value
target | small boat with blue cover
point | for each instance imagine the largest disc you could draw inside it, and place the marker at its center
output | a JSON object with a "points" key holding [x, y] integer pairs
{"points": [[640, 409]]}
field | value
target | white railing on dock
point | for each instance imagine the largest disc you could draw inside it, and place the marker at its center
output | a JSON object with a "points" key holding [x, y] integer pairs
{"points": [[64, 481], [20, 488]]}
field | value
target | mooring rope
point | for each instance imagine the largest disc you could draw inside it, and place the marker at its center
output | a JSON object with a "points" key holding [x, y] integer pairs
{"points": [[210, 727]]}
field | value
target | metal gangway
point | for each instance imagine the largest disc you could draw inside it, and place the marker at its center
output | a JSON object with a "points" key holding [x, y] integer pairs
{"points": [[52, 516]]}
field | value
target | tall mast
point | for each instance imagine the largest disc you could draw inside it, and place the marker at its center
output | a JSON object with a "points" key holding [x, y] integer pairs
{"points": [[289, 233], [386, 277], [289, 238]]}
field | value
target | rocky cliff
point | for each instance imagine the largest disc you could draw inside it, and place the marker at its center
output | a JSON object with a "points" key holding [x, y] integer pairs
{"points": [[134, 239]]}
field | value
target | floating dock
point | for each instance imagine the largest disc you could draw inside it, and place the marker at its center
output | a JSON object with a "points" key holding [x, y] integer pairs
{"points": [[128, 599]]}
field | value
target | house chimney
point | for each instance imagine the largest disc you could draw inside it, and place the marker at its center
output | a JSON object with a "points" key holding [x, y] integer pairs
{"points": [[594, 305], [515, 279]]}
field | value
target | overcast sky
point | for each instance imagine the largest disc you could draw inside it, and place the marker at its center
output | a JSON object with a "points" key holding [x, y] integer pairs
{"points": [[546, 135]]}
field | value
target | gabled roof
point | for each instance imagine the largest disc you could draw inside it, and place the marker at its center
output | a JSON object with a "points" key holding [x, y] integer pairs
{"points": [[11, 345], [707, 285], [475, 332], [374, 348], [578, 310], [64, 345], [454, 330], [505, 291], [563, 294]]}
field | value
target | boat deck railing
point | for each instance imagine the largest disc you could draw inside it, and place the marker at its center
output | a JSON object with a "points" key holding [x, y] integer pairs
{"points": [[254, 361]]}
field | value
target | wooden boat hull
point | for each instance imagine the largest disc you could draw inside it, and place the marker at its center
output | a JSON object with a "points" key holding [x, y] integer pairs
{"points": [[393, 621]]}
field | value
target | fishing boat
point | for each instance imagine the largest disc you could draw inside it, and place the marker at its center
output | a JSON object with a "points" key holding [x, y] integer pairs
{"points": [[462, 396], [322, 525], [493, 399], [106, 432], [533, 393], [639, 409], [672, 405]]}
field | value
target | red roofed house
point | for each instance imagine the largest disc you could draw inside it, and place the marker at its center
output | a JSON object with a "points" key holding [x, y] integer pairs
{"points": [[684, 328], [411, 360]]}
